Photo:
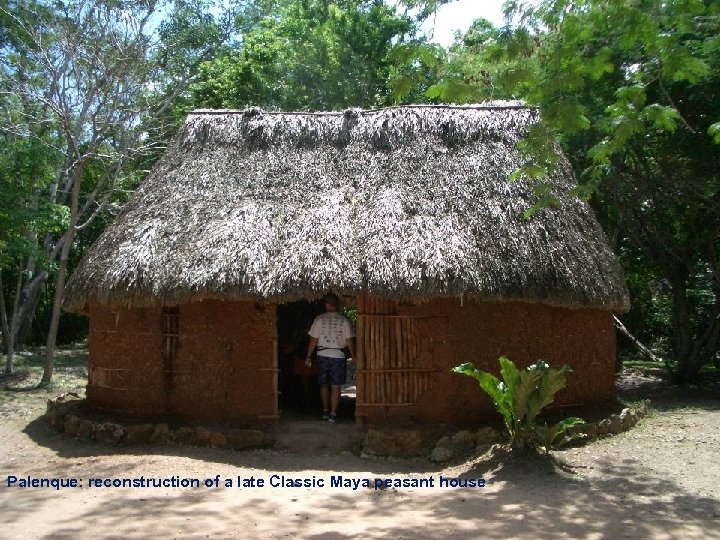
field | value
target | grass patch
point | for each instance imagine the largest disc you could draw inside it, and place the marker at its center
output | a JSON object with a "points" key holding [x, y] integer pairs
{"points": [[19, 391], [666, 365], [641, 363]]}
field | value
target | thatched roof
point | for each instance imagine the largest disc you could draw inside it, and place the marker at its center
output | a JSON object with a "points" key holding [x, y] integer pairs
{"points": [[408, 201]]}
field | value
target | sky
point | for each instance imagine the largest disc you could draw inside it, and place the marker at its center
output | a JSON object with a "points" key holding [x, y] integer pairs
{"points": [[459, 15]]}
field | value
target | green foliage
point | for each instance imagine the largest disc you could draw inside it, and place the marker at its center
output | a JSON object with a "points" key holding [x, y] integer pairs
{"points": [[629, 89], [474, 72], [714, 132], [311, 55], [558, 435], [75, 80], [521, 396]]}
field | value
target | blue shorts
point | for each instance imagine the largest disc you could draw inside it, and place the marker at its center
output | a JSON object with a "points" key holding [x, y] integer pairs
{"points": [[331, 370]]}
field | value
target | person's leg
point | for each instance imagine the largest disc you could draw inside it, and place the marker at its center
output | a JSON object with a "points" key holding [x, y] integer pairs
{"points": [[324, 379], [325, 397], [337, 378]]}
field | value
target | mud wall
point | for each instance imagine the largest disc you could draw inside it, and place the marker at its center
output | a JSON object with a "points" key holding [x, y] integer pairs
{"points": [[224, 367], [481, 332], [125, 372]]}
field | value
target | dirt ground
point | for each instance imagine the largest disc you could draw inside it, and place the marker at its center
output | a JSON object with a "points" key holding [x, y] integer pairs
{"points": [[658, 480]]}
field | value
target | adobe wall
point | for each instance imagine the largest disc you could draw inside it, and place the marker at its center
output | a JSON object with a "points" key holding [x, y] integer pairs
{"points": [[227, 367], [125, 373], [481, 332], [223, 370]]}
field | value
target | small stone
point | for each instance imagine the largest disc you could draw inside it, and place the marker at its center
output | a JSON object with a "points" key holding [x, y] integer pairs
{"points": [[487, 435], [85, 429], [56, 419], [464, 441], [615, 424], [412, 444], [240, 439], [109, 433], [139, 434], [444, 442], [627, 418], [590, 430], [603, 427], [379, 443], [160, 434], [72, 423], [218, 439], [184, 436], [203, 435], [440, 454]]}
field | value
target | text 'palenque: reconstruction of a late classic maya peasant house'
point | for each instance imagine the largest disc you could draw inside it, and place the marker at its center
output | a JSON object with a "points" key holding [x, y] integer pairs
{"points": [[405, 212]]}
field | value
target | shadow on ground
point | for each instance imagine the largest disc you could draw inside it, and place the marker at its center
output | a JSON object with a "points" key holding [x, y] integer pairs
{"points": [[610, 496], [42, 434], [532, 498]]}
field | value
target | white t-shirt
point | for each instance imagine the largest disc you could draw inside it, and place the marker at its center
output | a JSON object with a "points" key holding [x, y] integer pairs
{"points": [[332, 331]]}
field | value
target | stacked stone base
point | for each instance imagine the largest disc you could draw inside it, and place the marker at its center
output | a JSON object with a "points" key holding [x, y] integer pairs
{"points": [[67, 417], [437, 443], [415, 443]]}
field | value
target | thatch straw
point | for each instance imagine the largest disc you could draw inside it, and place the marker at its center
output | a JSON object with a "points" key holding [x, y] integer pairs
{"points": [[408, 201]]}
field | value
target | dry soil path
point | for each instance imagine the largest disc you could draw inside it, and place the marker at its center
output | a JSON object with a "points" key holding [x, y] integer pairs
{"points": [[659, 480]]}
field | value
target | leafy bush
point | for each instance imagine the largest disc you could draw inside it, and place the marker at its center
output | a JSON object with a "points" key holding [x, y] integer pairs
{"points": [[521, 396]]}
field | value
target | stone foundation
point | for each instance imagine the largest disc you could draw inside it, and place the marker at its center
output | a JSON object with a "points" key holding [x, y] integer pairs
{"points": [[74, 419], [439, 443]]}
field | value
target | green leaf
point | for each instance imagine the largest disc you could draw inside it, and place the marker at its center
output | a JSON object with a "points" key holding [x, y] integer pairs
{"points": [[520, 398], [522, 395], [714, 132], [401, 87], [552, 381], [492, 386], [435, 91], [556, 436], [662, 117]]}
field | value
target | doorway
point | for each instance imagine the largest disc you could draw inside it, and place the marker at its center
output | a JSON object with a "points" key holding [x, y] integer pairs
{"points": [[298, 389]]}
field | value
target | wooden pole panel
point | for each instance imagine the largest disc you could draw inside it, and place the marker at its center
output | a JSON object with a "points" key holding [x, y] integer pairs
{"points": [[388, 351]]}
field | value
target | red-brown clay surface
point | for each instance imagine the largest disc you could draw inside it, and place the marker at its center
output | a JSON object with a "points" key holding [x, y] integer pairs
{"points": [[225, 365]]}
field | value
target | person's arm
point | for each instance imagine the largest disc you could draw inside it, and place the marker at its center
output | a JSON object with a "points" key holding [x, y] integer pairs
{"points": [[311, 348], [350, 342]]}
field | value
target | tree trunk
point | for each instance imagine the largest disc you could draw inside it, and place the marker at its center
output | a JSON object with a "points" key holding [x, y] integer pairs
{"points": [[692, 354], [55, 317], [681, 330], [7, 336], [29, 309], [24, 305], [642, 348], [705, 346], [60, 279]]}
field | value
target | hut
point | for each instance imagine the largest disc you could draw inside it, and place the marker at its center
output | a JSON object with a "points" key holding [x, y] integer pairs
{"points": [[406, 212]]}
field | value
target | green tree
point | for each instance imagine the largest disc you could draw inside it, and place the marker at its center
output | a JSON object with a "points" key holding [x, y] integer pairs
{"points": [[191, 32], [475, 72], [27, 155], [78, 79], [631, 91], [316, 54]]}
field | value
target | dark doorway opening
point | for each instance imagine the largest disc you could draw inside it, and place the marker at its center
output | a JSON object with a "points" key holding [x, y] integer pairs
{"points": [[298, 388]]}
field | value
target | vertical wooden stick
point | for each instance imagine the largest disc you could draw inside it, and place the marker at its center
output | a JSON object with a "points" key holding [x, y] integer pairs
{"points": [[381, 356]]}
